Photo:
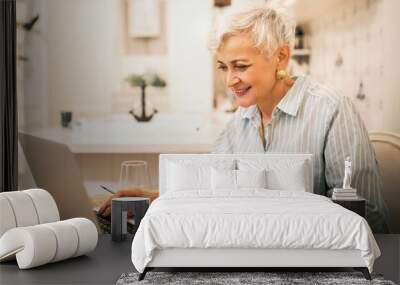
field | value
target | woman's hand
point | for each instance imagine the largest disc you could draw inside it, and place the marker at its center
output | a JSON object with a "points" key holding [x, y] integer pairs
{"points": [[105, 209]]}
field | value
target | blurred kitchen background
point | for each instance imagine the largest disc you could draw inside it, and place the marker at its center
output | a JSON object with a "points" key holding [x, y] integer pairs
{"points": [[89, 59]]}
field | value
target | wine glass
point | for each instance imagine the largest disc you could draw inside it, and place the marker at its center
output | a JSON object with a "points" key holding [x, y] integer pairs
{"points": [[134, 174]]}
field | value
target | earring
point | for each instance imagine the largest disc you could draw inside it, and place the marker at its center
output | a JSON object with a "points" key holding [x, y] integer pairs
{"points": [[281, 74]]}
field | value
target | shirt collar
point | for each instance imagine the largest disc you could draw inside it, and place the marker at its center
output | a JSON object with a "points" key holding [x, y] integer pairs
{"points": [[249, 112], [289, 104]]}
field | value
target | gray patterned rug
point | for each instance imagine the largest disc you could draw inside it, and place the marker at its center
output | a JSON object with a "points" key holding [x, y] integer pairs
{"points": [[230, 278]]}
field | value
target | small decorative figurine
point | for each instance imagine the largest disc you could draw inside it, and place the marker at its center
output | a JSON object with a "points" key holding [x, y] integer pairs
{"points": [[347, 174], [346, 192]]}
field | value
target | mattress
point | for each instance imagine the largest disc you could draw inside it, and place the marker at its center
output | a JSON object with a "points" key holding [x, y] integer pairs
{"points": [[250, 219]]}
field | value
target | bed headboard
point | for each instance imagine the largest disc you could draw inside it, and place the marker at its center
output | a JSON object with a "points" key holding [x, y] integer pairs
{"points": [[269, 158]]}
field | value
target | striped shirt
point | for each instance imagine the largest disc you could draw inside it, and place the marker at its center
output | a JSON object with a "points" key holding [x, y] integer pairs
{"points": [[312, 118]]}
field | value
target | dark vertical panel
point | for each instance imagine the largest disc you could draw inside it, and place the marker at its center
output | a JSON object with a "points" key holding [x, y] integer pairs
{"points": [[8, 98]]}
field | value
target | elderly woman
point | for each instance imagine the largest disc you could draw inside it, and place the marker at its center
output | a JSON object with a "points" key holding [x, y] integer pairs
{"points": [[279, 113]]}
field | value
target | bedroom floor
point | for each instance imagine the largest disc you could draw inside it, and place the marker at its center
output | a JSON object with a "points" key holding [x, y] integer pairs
{"points": [[389, 262], [106, 264]]}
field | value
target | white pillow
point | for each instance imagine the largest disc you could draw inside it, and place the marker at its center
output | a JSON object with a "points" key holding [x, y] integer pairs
{"points": [[235, 179], [281, 174], [293, 179], [183, 177], [193, 174], [251, 179], [223, 179]]}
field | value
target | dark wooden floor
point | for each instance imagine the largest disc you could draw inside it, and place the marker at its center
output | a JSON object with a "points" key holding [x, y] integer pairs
{"points": [[389, 262], [110, 260]]}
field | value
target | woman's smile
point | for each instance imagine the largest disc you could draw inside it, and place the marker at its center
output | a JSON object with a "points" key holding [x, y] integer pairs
{"points": [[240, 92]]}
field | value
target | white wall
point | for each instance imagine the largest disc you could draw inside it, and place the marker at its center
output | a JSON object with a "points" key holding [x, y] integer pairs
{"points": [[81, 55], [189, 61], [365, 34], [391, 72], [76, 59], [32, 74], [81, 49]]}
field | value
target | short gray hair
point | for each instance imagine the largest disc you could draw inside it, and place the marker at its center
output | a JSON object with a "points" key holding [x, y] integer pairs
{"points": [[269, 26]]}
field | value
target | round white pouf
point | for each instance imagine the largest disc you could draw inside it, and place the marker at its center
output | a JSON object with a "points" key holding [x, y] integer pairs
{"points": [[33, 246], [26, 208], [46, 207], [40, 244], [67, 240], [7, 218], [87, 233], [23, 208]]}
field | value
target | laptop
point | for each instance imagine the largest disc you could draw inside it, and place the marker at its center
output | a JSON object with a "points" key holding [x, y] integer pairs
{"points": [[55, 169]]}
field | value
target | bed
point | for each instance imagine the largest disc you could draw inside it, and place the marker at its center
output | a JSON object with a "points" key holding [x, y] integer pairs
{"points": [[247, 210]]}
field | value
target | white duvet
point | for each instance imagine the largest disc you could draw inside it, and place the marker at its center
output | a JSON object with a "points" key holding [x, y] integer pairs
{"points": [[250, 219]]}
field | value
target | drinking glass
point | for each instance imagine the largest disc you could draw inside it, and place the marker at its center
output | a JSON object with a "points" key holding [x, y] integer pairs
{"points": [[134, 174]]}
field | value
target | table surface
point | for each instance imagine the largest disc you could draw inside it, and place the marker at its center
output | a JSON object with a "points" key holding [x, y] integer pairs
{"points": [[120, 133], [110, 259]]}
